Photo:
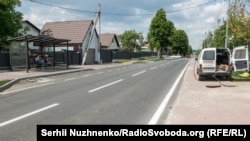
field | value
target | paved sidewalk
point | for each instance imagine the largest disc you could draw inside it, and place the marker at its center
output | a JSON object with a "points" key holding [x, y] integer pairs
{"points": [[8, 75], [16, 76], [199, 104]]}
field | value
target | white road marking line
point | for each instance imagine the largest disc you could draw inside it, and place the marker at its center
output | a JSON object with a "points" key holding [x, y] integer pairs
{"points": [[153, 68], [90, 91], [3, 93], [86, 75], [69, 79], [162, 65], [28, 114], [138, 73], [118, 69], [99, 73], [162, 107], [110, 70]]}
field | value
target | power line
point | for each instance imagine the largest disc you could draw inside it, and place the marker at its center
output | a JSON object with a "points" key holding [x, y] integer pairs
{"points": [[187, 8], [62, 7], [122, 14]]}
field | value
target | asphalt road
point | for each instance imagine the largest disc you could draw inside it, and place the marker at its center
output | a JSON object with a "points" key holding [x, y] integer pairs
{"points": [[125, 95]]}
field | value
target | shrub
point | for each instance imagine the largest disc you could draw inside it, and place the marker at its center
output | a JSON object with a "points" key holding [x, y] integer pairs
{"points": [[2, 82]]}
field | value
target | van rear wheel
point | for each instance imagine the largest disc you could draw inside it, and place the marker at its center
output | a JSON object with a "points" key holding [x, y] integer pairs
{"points": [[201, 78], [228, 78]]}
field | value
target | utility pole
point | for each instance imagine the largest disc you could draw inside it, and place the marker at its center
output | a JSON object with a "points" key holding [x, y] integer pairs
{"points": [[226, 38], [91, 35]]}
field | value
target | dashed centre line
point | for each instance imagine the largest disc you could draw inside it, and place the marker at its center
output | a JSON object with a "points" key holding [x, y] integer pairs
{"points": [[69, 79], [99, 73], [153, 68], [86, 75], [3, 93], [112, 83], [28, 114], [138, 73]]}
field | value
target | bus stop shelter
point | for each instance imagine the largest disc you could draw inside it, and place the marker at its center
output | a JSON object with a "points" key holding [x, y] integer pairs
{"points": [[20, 50]]}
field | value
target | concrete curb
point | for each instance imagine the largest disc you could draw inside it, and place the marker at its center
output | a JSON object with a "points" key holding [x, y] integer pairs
{"points": [[14, 81], [9, 84]]}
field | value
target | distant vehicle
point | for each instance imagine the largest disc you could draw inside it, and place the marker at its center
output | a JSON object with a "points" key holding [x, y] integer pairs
{"points": [[220, 62], [175, 56]]}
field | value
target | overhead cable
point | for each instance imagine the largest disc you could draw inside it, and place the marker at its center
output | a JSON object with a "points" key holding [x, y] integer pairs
{"points": [[122, 14]]}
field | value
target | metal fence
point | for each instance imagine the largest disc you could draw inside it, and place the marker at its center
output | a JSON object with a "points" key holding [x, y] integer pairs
{"points": [[75, 58], [108, 56], [4, 60]]}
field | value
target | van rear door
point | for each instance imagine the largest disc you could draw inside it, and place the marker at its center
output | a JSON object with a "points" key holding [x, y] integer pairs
{"points": [[209, 60], [240, 59]]}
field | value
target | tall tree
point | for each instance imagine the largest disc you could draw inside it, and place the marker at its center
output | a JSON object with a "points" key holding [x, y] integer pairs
{"points": [[10, 21], [239, 19], [130, 40], [217, 37], [160, 31], [219, 34], [190, 50], [180, 42]]}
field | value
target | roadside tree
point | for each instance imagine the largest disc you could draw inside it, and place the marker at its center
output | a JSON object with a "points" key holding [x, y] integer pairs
{"points": [[180, 43], [239, 19], [10, 21], [131, 40], [160, 31]]}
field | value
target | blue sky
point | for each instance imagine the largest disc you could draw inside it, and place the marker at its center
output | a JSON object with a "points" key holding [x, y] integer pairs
{"points": [[196, 17]]}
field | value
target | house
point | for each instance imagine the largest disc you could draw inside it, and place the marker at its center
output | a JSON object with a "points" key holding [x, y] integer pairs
{"points": [[29, 28], [109, 41], [79, 33], [109, 45], [146, 47]]}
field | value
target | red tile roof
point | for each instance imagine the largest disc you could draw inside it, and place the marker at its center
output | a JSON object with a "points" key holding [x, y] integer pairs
{"points": [[106, 39], [72, 30]]}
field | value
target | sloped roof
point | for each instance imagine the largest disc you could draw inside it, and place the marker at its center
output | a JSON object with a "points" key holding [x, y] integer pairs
{"points": [[107, 38], [72, 30], [39, 39], [146, 45], [31, 24]]}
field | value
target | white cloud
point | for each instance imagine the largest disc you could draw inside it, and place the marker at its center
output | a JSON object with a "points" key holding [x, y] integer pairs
{"points": [[199, 20], [195, 19]]}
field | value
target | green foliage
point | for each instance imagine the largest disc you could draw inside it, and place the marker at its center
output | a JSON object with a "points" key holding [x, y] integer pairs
{"points": [[153, 58], [160, 32], [236, 76], [2, 82], [147, 59], [190, 50], [239, 19], [217, 38], [198, 51], [128, 40], [180, 43], [10, 21], [121, 61]]}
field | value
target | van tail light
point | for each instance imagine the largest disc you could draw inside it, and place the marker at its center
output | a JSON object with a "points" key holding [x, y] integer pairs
{"points": [[230, 66], [200, 66]]}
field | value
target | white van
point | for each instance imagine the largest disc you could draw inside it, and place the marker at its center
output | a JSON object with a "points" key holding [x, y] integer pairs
{"points": [[220, 61]]}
